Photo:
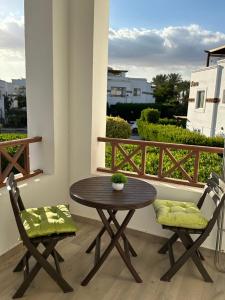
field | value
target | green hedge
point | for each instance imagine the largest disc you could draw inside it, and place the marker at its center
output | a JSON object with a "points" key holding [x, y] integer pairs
{"points": [[117, 127], [132, 111], [175, 134], [208, 162], [166, 121]]}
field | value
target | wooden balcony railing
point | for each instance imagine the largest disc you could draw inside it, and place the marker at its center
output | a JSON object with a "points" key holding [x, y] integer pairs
{"points": [[174, 163], [14, 156]]}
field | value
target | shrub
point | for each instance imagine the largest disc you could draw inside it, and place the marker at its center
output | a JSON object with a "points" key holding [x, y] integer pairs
{"points": [[119, 178], [117, 127], [175, 134], [150, 115], [166, 121]]}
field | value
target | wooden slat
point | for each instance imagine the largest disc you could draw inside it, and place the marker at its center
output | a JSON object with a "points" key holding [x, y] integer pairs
{"points": [[127, 158], [113, 155], [20, 142], [178, 166], [27, 159], [143, 159], [160, 169], [13, 162], [155, 178]]}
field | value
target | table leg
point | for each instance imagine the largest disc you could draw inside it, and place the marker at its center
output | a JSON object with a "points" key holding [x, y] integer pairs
{"points": [[102, 231], [127, 244], [99, 235], [114, 243]]}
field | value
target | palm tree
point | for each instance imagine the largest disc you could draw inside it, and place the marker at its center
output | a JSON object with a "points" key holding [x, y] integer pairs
{"points": [[159, 79]]}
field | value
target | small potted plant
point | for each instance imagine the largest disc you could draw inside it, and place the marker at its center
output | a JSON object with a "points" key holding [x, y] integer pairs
{"points": [[118, 180]]}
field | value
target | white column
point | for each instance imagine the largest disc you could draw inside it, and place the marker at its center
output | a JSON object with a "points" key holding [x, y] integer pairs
{"points": [[88, 61], [88, 57], [39, 73]]}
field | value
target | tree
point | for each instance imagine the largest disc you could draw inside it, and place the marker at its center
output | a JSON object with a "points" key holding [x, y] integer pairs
{"points": [[174, 78], [170, 88], [159, 79]]}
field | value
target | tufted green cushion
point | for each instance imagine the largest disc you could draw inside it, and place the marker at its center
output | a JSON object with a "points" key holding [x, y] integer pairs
{"points": [[179, 214], [47, 220]]}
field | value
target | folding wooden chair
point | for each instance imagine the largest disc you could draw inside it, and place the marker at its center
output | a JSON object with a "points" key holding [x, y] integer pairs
{"points": [[215, 189], [31, 240]]}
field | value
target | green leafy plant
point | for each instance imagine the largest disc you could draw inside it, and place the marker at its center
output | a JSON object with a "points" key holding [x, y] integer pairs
{"points": [[119, 178], [150, 115], [176, 135], [117, 127]]}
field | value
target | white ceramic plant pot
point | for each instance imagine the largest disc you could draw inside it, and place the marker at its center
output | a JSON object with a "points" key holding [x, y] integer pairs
{"points": [[117, 186]]}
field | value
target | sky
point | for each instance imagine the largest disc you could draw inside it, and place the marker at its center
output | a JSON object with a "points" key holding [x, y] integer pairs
{"points": [[145, 37], [152, 37]]}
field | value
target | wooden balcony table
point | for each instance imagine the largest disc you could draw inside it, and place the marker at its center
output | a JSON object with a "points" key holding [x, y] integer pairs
{"points": [[97, 192]]}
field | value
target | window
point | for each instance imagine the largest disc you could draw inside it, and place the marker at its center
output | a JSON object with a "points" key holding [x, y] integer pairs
{"points": [[137, 92], [200, 99], [118, 91], [223, 97]]}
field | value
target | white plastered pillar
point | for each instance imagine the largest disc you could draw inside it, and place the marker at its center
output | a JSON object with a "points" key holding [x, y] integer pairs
{"points": [[88, 59]]}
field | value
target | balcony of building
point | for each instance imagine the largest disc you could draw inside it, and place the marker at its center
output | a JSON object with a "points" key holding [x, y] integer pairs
{"points": [[66, 69]]}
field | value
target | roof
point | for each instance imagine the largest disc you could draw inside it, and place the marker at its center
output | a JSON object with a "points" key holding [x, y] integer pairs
{"points": [[116, 72], [219, 51]]}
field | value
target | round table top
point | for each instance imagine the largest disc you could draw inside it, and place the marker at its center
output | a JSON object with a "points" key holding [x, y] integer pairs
{"points": [[97, 192]]}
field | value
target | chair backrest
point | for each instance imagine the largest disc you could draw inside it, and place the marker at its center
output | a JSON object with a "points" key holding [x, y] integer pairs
{"points": [[215, 188], [16, 202]]}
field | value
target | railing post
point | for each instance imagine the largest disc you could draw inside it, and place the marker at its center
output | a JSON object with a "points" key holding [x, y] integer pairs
{"points": [[113, 156], [160, 170], [143, 160], [27, 159], [196, 166]]}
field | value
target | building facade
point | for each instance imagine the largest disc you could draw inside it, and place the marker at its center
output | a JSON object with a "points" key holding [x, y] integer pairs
{"points": [[122, 89], [14, 88], [206, 108]]}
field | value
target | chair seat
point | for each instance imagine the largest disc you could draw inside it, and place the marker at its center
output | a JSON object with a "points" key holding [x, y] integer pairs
{"points": [[47, 220], [179, 214]]}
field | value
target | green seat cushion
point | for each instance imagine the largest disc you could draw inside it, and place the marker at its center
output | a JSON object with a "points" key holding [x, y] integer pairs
{"points": [[47, 220], [179, 214]]}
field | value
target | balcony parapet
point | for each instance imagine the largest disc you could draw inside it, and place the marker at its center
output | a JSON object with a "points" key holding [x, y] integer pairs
{"points": [[14, 156], [192, 153]]}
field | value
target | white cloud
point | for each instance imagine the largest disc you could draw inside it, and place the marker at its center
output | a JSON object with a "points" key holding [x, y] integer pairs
{"points": [[12, 52], [144, 52], [171, 49]]}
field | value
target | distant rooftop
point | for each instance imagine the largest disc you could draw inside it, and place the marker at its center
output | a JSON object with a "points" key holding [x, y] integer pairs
{"points": [[218, 52], [116, 72]]}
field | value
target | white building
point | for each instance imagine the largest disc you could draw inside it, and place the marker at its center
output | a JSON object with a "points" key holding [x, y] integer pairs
{"points": [[14, 88], [124, 89], [206, 108]]}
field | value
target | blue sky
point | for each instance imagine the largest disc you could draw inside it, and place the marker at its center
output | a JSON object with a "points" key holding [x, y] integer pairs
{"points": [[145, 37], [11, 7], [163, 13]]}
